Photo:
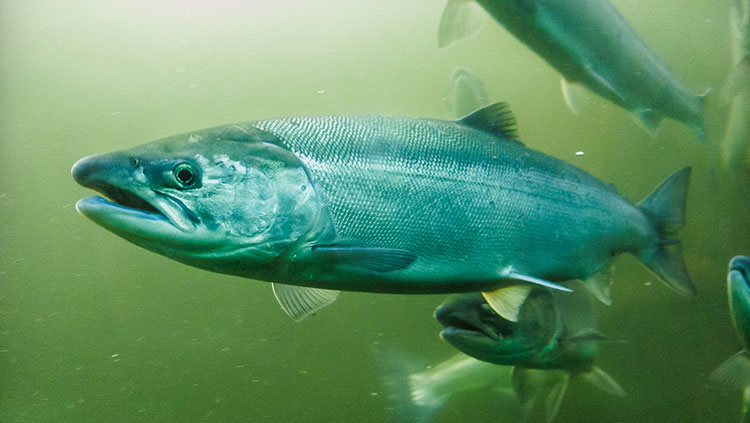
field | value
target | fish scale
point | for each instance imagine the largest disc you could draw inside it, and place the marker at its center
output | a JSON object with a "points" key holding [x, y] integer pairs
{"points": [[383, 204], [457, 194]]}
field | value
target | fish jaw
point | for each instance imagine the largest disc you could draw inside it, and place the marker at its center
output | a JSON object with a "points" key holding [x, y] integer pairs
{"points": [[738, 290], [473, 328], [129, 208]]}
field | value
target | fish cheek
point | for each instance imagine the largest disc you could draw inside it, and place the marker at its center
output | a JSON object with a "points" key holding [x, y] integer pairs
{"points": [[243, 203]]}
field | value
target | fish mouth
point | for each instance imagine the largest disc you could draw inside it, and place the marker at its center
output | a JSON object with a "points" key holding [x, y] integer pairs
{"points": [[137, 210], [474, 319]]}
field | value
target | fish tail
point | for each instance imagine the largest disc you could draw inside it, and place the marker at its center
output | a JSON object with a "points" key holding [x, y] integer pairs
{"points": [[665, 208], [412, 396]]}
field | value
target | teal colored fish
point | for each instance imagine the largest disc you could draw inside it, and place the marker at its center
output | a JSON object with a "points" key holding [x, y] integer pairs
{"points": [[590, 44], [554, 340], [735, 148], [379, 204], [735, 372]]}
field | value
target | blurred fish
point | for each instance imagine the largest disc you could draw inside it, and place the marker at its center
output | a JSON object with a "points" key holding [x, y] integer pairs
{"points": [[418, 395], [590, 44], [554, 339], [734, 373], [467, 93], [380, 204], [735, 148]]}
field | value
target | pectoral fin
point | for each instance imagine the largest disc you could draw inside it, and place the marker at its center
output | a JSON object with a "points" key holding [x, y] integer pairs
{"points": [[507, 302], [379, 260], [462, 19], [299, 302]]}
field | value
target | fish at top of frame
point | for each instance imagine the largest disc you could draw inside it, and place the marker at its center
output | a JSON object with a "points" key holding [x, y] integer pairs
{"points": [[590, 44]]}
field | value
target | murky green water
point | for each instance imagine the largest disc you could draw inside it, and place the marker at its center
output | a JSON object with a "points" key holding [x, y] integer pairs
{"points": [[93, 328]]}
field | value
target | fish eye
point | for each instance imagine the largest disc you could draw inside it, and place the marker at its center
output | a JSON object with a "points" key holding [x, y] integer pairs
{"points": [[185, 175], [135, 161]]}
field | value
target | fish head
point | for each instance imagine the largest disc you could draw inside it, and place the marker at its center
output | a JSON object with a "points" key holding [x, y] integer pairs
{"points": [[738, 289], [222, 199], [475, 329]]}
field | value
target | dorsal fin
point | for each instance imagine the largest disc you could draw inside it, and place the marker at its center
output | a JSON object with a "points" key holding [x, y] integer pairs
{"points": [[496, 119]]}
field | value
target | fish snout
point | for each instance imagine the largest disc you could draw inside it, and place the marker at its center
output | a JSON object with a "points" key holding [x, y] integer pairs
{"points": [[83, 170], [442, 315], [97, 170], [741, 264]]}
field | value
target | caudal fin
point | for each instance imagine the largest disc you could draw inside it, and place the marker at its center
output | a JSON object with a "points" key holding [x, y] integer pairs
{"points": [[665, 208]]}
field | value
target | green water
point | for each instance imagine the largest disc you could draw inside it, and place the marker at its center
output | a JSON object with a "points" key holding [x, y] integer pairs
{"points": [[93, 328]]}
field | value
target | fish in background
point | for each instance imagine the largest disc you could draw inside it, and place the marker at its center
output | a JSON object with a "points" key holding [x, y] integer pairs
{"points": [[380, 204], [734, 374], [467, 93], [527, 364], [555, 339], [590, 44], [735, 148]]}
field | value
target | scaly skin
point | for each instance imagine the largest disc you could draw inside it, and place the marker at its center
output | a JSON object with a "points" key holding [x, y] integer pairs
{"points": [[402, 206]]}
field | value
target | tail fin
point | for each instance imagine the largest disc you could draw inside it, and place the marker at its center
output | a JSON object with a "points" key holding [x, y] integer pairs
{"points": [[665, 208], [397, 370]]}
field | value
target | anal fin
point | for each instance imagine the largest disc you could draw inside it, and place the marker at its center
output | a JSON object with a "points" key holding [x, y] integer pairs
{"points": [[298, 302]]}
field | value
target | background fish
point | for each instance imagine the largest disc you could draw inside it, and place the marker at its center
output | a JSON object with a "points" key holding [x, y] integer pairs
{"points": [[380, 204], [554, 339], [734, 373], [735, 148], [589, 43]]}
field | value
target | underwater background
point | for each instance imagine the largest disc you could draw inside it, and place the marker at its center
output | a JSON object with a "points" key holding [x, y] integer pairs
{"points": [[93, 328]]}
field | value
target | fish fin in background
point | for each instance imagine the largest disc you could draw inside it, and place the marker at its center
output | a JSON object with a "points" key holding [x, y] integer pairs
{"points": [[587, 335], [576, 96], [411, 396], [699, 127], [540, 392], [600, 285], [665, 208], [603, 381], [733, 374], [738, 80], [461, 20], [496, 119], [507, 302], [649, 120], [298, 302], [379, 260], [467, 93]]}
